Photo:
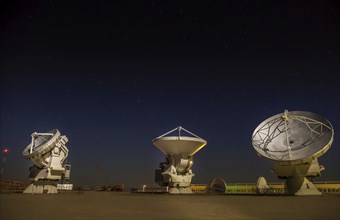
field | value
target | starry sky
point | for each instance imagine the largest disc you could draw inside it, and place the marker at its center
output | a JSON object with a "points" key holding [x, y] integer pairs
{"points": [[113, 75]]}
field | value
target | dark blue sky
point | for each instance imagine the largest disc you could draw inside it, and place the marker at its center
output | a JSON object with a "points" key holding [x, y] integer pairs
{"points": [[113, 76]]}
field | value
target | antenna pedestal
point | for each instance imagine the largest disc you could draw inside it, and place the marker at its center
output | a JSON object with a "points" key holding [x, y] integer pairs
{"points": [[296, 177], [176, 173], [37, 173], [301, 186]]}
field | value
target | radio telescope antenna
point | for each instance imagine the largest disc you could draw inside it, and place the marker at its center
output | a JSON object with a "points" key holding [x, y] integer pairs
{"points": [[293, 141], [48, 152], [176, 172]]}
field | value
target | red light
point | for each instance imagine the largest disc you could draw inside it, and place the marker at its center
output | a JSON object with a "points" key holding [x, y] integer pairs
{"points": [[6, 150]]}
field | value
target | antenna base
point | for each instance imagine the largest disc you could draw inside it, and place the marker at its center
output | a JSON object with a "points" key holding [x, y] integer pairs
{"points": [[40, 187], [176, 173], [296, 177], [301, 186]]}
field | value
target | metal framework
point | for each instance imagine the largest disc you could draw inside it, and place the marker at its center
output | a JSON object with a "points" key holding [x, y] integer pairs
{"points": [[281, 126]]}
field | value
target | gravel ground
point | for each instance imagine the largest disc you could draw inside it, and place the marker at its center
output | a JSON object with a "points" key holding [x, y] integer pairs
{"points": [[109, 205]]}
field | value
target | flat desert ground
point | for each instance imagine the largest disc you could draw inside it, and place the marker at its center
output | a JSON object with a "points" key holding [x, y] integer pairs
{"points": [[113, 205]]}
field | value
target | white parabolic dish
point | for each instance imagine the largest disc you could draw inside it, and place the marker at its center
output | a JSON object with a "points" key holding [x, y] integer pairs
{"points": [[293, 137], [41, 145], [179, 145]]}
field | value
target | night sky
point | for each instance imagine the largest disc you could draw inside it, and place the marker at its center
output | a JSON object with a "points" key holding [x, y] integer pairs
{"points": [[113, 75]]}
